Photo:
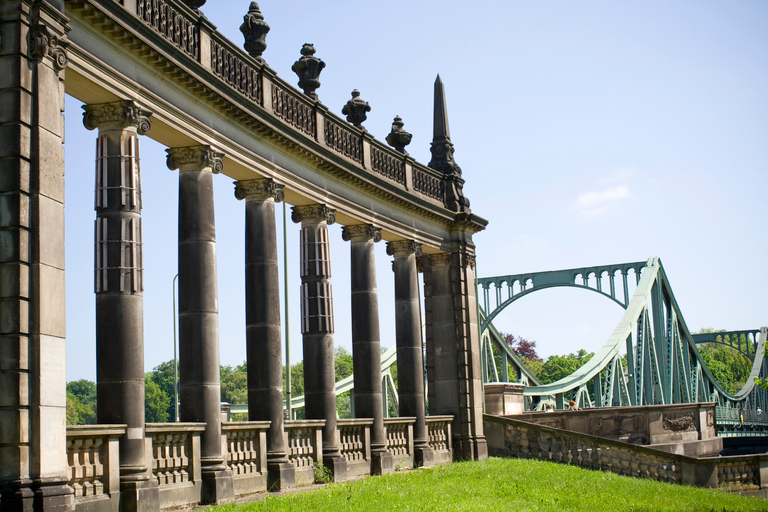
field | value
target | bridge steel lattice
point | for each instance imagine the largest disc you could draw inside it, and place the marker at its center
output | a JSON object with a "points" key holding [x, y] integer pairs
{"points": [[663, 364]]}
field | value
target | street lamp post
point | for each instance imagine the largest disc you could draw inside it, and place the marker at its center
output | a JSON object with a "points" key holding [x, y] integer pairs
{"points": [[175, 358]]}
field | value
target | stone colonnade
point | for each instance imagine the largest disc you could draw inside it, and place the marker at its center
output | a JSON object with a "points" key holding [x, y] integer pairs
{"points": [[33, 464]]}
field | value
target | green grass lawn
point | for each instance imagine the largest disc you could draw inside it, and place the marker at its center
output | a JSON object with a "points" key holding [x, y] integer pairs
{"points": [[504, 485]]}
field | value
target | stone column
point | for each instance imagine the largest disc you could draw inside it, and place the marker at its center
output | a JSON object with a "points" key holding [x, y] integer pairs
{"points": [[366, 344], [199, 378], [118, 283], [262, 319], [410, 362], [317, 329], [453, 347], [33, 453]]}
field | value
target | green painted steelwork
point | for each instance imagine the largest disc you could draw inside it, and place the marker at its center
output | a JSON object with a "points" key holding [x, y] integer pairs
{"points": [[743, 341], [663, 363]]}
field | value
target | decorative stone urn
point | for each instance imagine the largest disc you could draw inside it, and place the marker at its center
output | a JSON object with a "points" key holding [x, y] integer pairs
{"points": [[308, 68], [255, 30], [355, 110], [398, 138]]}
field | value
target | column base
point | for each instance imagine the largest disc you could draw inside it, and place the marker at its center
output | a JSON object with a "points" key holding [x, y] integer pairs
{"points": [[218, 487], [27, 496], [423, 457], [139, 496], [382, 463], [280, 476], [337, 465], [472, 448]]}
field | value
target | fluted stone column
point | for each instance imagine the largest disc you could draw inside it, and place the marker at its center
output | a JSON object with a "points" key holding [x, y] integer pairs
{"points": [[410, 361], [33, 448], [200, 387], [119, 285], [453, 347], [366, 341], [317, 329], [262, 319]]}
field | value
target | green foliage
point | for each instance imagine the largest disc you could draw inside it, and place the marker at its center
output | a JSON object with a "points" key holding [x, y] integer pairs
{"points": [[508, 485], [234, 384], [162, 376], [77, 413], [81, 402], [343, 363], [323, 475], [155, 401], [557, 367], [728, 366]]}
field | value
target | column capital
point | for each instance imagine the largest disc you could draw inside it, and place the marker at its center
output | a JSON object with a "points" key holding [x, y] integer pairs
{"points": [[361, 231], [403, 247], [195, 158], [123, 113], [313, 212], [260, 190], [440, 259], [44, 42]]}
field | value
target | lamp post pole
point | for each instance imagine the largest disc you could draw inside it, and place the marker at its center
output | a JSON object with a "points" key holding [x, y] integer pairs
{"points": [[288, 395], [175, 358]]}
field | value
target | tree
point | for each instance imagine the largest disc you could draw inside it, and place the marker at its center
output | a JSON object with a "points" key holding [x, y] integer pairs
{"points": [[162, 375], [155, 401], [522, 347], [557, 367], [234, 384], [81, 402]]}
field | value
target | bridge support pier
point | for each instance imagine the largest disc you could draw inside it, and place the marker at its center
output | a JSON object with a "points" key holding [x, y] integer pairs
{"points": [[317, 329], [410, 359], [198, 313], [453, 347], [262, 318], [366, 341]]}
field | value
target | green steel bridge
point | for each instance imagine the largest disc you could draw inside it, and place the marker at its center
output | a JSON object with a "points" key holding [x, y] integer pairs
{"points": [[663, 364]]}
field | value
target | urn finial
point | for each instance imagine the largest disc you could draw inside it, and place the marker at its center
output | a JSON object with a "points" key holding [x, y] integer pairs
{"points": [[255, 30], [194, 4], [308, 68], [355, 110], [398, 138]]}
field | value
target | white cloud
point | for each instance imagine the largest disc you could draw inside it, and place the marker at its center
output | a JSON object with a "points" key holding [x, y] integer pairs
{"points": [[595, 203]]}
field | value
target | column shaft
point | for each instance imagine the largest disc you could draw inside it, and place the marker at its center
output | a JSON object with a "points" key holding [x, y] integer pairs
{"points": [[118, 277], [410, 362], [262, 318], [200, 387], [317, 328], [366, 344]]}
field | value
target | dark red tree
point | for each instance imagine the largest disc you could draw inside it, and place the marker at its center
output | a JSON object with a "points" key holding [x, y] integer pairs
{"points": [[522, 347]]}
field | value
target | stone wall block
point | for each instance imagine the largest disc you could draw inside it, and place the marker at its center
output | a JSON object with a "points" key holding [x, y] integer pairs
{"points": [[49, 114], [14, 245], [14, 280], [14, 460], [17, 106], [51, 226], [51, 384], [15, 388], [53, 317], [16, 71], [55, 420], [14, 316], [14, 175], [14, 210], [51, 181], [15, 141], [14, 353], [15, 426]]}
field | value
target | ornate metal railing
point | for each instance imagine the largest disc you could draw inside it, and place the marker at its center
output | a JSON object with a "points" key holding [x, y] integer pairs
{"points": [[93, 462]]}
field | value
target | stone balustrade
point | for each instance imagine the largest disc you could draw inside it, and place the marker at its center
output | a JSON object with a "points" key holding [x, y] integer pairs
{"points": [[247, 454], [355, 438], [507, 437], [175, 456], [304, 442], [93, 461], [400, 441], [440, 439]]}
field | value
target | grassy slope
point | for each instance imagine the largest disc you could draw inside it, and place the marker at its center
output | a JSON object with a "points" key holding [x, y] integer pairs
{"points": [[505, 485]]}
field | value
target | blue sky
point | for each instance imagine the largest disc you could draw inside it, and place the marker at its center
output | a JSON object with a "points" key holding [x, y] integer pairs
{"points": [[588, 133]]}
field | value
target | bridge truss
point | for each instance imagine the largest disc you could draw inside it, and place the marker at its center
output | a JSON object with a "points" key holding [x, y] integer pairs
{"points": [[662, 365]]}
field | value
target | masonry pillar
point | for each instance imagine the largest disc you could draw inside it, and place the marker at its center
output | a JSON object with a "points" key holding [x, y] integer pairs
{"points": [[453, 347], [118, 283], [317, 329], [33, 454], [410, 361], [200, 387], [262, 318], [366, 341]]}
